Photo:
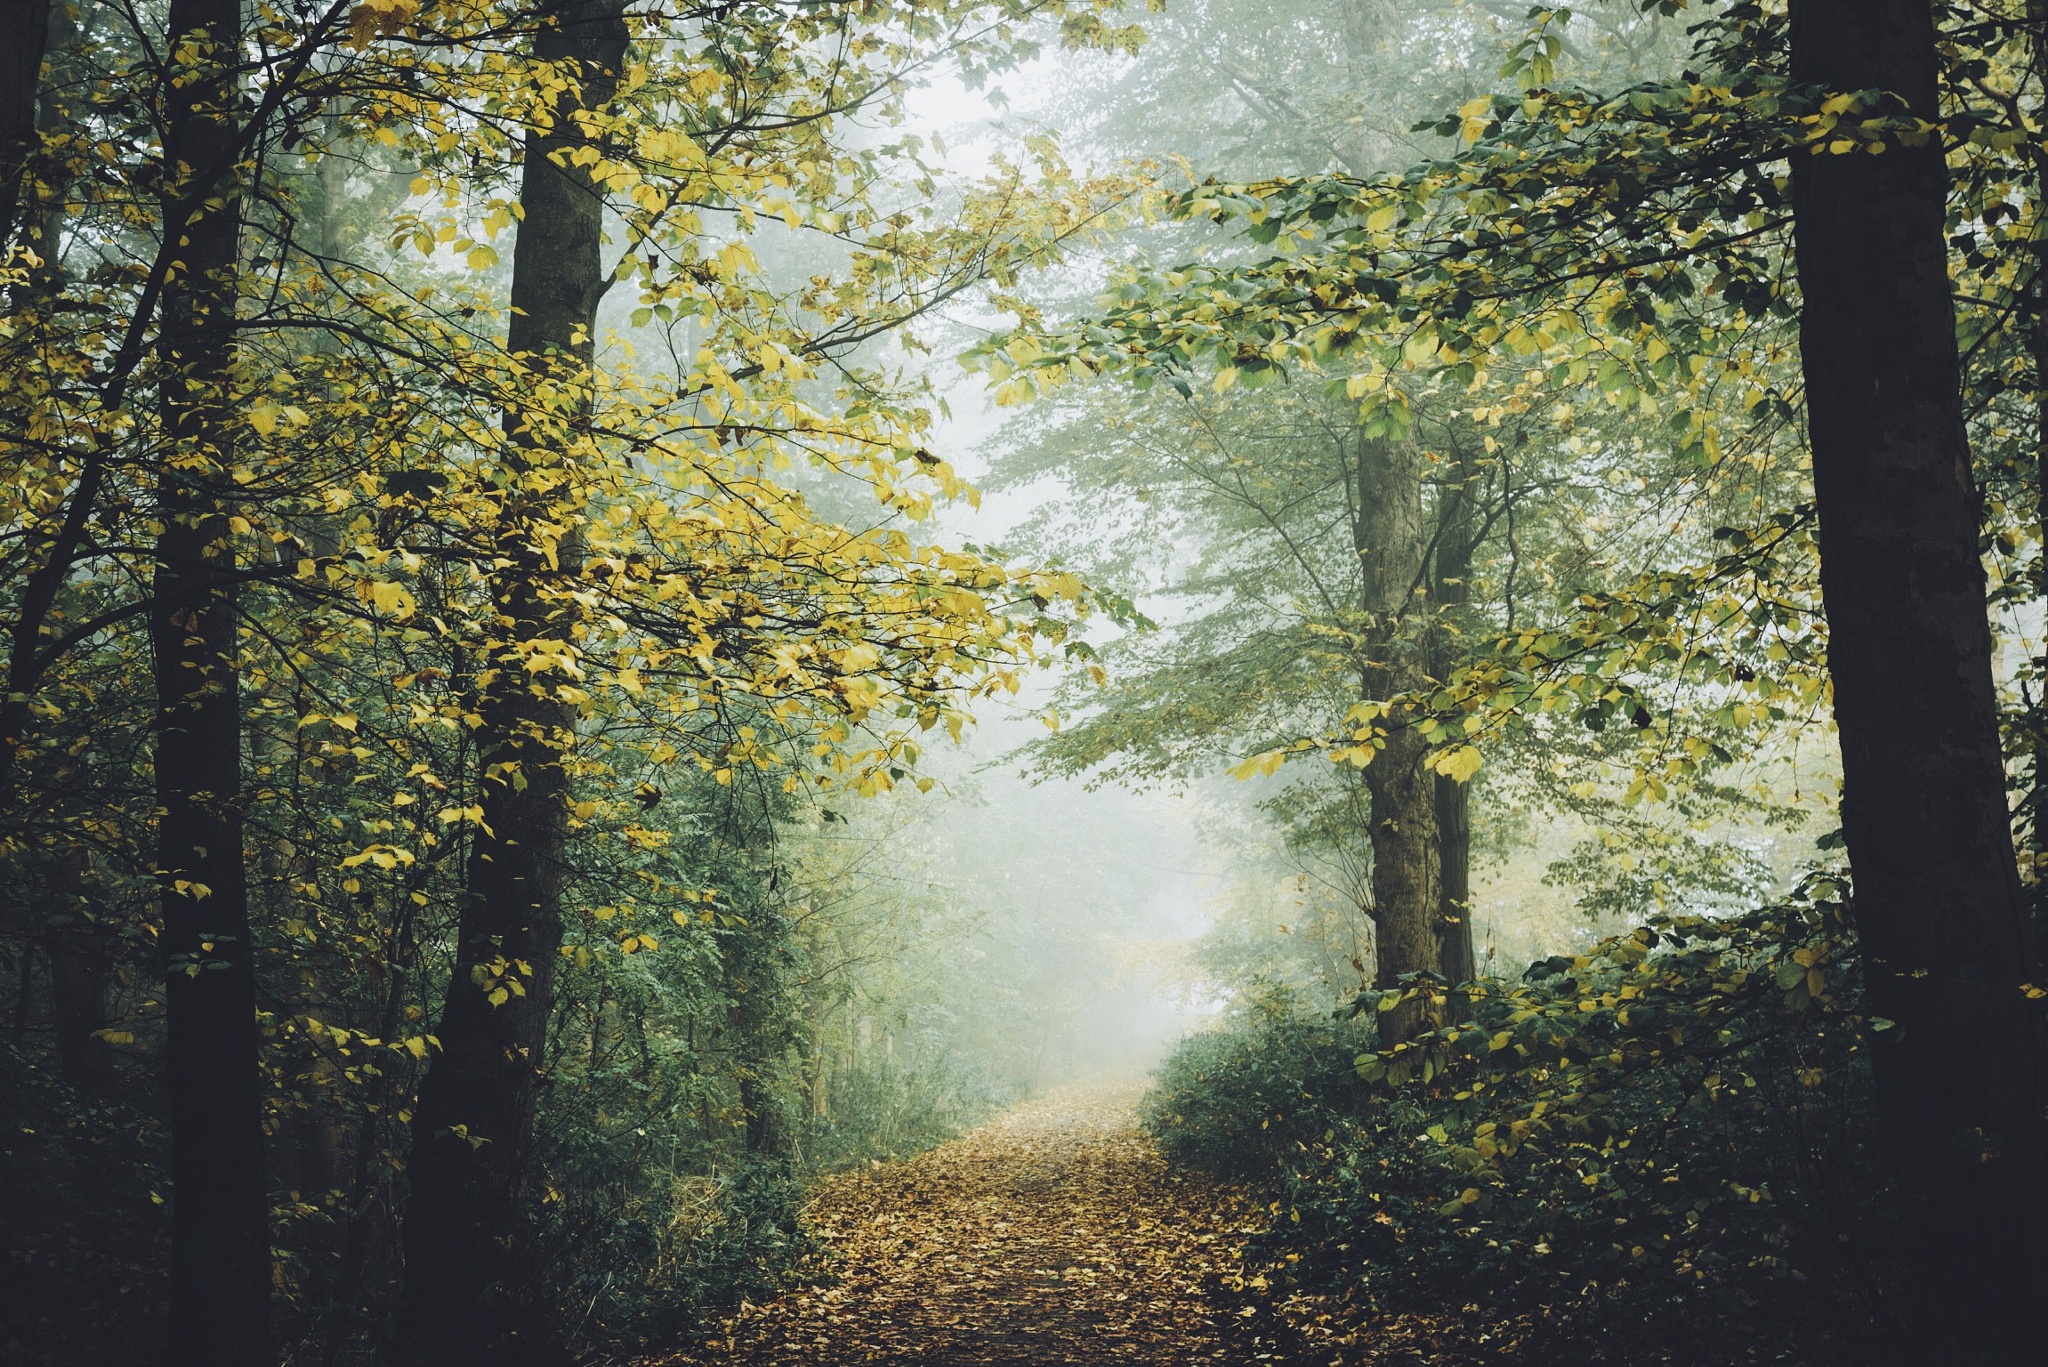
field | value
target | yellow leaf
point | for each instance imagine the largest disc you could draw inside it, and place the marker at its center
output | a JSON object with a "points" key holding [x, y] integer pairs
{"points": [[1260, 765], [391, 598], [1460, 764]]}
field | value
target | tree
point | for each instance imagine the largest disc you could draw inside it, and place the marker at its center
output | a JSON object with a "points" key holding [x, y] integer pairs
{"points": [[345, 500], [469, 1263], [29, 22], [220, 1267], [1336, 90], [1450, 592], [1949, 952], [1407, 863], [763, 628]]}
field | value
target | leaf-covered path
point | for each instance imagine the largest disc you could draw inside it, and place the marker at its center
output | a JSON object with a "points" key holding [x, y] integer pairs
{"points": [[1053, 1235]]}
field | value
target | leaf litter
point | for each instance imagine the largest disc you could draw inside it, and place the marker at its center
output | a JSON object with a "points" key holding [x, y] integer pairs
{"points": [[1056, 1234]]}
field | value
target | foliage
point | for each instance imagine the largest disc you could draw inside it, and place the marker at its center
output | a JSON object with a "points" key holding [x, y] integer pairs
{"points": [[719, 522], [1682, 1114], [1242, 1099], [1623, 630]]}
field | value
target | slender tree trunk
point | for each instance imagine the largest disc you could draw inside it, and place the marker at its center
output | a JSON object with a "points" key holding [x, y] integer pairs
{"points": [[759, 1022], [2036, 865], [80, 950], [1939, 909], [1407, 877], [35, 224], [220, 1258], [1450, 590], [469, 1295], [369, 1212], [27, 24]]}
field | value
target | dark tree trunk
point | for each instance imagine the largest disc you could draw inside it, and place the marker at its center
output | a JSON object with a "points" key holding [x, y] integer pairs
{"points": [[1939, 908], [762, 1033], [220, 1258], [765, 1132], [45, 107], [2036, 866], [1454, 858], [1407, 881], [81, 970], [21, 66], [1450, 591], [469, 1294]]}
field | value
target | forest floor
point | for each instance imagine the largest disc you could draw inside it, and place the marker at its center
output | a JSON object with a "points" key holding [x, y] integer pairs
{"points": [[1053, 1235], [1056, 1235]]}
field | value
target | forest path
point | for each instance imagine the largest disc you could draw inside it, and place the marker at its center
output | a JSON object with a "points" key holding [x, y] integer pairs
{"points": [[1053, 1235]]}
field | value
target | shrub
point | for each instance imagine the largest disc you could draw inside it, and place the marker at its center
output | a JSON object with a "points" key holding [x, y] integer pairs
{"points": [[653, 1264], [1241, 1100], [1685, 1109]]}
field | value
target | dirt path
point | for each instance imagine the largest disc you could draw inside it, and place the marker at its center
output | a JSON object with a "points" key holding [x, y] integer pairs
{"points": [[1053, 1235]]}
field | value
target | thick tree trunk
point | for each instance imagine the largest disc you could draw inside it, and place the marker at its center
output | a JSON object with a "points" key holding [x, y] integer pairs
{"points": [[1407, 881], [1938, 903], [469, 1294], [220, 1236], [1450, 590]]}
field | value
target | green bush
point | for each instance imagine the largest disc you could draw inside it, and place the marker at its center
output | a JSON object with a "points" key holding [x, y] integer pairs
{"points": [[1685, 1109], [1243, 1099]]}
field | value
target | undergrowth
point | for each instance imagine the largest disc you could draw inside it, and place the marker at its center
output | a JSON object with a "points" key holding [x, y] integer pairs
{"points": [[1677, 1122]]}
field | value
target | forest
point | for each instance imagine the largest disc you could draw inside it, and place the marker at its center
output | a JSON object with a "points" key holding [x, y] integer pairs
{"points": [[976, 682]]}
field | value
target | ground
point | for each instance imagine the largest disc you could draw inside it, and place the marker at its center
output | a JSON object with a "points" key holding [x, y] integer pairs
{"points": [[1054, 1235]]}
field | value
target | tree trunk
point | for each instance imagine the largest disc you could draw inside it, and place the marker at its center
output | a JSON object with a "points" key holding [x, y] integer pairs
{"points": [[20, 73], [1454, 859], [2035, 865], [80, 953], [469, 1294], [1939, 909], [1450, 590], [220, 1235], [46, 108], [1407, 881]]}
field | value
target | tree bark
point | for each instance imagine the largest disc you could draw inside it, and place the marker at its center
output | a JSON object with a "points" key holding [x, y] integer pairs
{"points": [[1939, 909], [20, 74], [1407, 879], [1450, 590], [469, 1294], [220, 1235], [2035, 864]]}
